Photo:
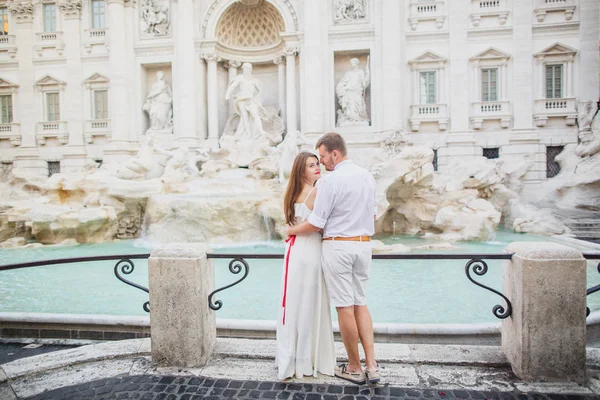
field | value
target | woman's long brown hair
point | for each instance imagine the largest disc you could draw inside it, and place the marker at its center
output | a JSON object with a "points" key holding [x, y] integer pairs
{"points": [[294, 187]]}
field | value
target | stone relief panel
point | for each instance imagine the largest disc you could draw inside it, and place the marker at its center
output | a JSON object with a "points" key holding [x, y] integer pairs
{"points": [[155, 18], [349, 10], [352, 89]]}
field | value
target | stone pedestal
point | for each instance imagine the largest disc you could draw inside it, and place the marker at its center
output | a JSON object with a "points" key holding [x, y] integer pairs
{"points": [[545, 337], [182, 327]]}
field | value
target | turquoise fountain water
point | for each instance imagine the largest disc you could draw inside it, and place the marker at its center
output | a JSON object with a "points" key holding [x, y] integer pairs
{"points": [[411, 291]]}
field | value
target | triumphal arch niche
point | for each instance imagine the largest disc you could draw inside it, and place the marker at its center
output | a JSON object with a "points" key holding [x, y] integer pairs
{"points": [[263, 33]]}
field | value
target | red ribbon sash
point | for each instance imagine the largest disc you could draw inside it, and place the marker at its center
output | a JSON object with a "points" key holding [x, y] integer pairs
{"points": [[291, 240]]}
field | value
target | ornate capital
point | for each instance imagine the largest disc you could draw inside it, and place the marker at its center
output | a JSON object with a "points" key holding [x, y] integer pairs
{"points": [[278, 60], [22, 11], [291, 51], [233, 64], [70, 8], [210, 57]]}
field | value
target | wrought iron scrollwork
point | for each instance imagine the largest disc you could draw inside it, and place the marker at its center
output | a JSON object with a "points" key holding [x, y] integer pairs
{"points": [[235, 267], [127, 268], [480, 268], [592, 290]]}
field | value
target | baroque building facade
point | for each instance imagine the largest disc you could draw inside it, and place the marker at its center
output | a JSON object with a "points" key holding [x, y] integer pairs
{"points": [[467, 78]]}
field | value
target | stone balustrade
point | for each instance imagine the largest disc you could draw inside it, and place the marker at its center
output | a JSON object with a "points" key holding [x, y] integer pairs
{"points": [[490, 110], [428, 113], [427, 11], [543, 7], [11, 132], [96, 127], [52, 129], [561, 107]]}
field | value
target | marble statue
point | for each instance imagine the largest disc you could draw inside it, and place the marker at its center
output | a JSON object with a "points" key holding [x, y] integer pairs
{"points": [[137, 166], [289, 149], [252, 130], [245, 94], [584, 121], [350, 92], [349, 10], [159, 106], [155, 18], [589, 140]]}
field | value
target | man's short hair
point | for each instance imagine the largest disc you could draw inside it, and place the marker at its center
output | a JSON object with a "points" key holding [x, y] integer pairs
{"points": [[332, 141]]}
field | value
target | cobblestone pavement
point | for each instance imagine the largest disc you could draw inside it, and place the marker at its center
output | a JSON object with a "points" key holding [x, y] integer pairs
{"points": [[153, 387]]}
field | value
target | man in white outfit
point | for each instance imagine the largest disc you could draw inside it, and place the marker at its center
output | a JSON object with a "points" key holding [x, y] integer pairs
{"points": [[345, 209]]}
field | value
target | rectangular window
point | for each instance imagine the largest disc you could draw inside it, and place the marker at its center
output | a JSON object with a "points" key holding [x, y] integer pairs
{"points": [[427, 89], [53, 168], [491, 153], [489, 84], [554, 81], [4, 16], [49, 17], [52, 107], [552, 167], [6, 108], [100, 104], [97, 14]]}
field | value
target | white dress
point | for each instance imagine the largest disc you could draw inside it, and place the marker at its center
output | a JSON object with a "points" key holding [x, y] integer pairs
{"points": [[305, 341]]}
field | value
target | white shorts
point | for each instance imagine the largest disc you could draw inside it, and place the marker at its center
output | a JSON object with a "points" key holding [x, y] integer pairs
{"points": [[346, 268]]}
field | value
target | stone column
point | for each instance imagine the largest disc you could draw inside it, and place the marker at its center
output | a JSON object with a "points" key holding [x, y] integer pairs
{"points": [[183, 329], [545, 337], [281, 86], [588, 63], [22, 15], [393, 68], [201, 105], [523, 66], [232, 67], [184, 99], [290, 63], [119, 110], [73, 113], [315, 35], [458, 63], [213, 101]]}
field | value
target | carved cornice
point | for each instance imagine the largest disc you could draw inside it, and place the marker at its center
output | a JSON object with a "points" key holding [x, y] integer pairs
{"points": [[22, 11], [71, 9]]}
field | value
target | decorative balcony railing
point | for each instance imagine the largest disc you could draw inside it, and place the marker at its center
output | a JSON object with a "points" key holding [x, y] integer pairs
{"points": [[8, 45], [543, 7], [427, 11], [94, 37], [547, 108], [48, 41], [429, 113], [490, 110], [96, 127], [52, 129], [488, 9], [12, 132]]}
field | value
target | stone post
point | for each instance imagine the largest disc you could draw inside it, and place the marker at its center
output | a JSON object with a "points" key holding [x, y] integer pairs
{"points": [[545, 337], [182, 327]]}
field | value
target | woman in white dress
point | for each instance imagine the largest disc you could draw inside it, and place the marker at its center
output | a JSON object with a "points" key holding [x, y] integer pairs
{"points": [[304, 333]]}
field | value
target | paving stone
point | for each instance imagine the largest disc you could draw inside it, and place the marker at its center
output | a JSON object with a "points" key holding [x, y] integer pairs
{"points": [[152, 387]]}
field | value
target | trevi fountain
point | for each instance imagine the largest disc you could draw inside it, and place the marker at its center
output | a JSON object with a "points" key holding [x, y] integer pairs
{"points": [[210, 101]]}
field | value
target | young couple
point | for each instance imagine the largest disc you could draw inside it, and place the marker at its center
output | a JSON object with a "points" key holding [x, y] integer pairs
{"points": [[332, 267]]}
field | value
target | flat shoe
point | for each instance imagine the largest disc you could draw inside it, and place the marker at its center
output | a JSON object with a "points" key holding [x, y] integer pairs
{"points": [[372, 375], [354, 377]]}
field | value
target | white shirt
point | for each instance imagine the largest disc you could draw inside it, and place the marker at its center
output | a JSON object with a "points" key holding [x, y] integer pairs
{"points": [[346, 202]]}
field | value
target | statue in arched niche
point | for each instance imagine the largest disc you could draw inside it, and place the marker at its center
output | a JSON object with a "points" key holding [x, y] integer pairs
{"points": [[350, 92]]}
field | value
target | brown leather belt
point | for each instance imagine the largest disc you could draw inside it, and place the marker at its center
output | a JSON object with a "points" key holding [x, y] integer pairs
{"points": [[349, 239]]}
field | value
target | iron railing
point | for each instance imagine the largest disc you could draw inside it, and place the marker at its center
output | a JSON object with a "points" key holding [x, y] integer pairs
{"points": [[476, 264]]}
